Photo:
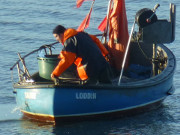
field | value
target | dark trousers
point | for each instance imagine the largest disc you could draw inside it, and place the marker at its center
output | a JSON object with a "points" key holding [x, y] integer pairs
{"points": [[104, 77]]}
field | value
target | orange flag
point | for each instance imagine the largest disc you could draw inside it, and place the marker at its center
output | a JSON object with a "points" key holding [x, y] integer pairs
{"points": [[103, 24], [79, 3], [85, 23], [118, 33]]}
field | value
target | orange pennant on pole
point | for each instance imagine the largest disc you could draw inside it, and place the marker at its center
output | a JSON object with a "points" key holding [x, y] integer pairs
{"points": [[85, 22], [79, 3], [103, 24]]}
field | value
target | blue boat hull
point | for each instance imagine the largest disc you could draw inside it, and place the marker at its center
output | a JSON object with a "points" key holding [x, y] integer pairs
{"points": [[47, 101], [71, 102]]}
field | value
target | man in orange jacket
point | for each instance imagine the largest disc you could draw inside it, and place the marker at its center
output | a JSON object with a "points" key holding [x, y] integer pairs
{"points": [[85, 51]]}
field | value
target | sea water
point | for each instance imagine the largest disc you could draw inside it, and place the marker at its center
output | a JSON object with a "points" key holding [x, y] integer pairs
{"points": [[27, 24]]}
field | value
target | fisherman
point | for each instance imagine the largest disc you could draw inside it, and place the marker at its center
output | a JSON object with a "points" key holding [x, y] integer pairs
{"points": [[86, 52]]}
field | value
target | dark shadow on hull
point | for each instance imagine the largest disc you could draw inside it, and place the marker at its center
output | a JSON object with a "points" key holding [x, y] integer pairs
{"points": [[105, 116]]}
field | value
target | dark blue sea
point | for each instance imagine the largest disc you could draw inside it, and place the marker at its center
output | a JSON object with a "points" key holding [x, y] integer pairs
{"points": [[27, 24]]}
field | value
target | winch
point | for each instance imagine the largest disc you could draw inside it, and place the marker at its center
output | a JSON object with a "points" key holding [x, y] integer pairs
{"points": [[154, 30]]}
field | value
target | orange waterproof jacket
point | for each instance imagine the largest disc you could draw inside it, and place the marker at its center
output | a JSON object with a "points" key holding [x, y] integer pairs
{"points": [[100, 45], [69, 55]]}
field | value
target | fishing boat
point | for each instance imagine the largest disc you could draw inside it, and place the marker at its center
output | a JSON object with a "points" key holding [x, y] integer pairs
{"points": [[142, 86]]}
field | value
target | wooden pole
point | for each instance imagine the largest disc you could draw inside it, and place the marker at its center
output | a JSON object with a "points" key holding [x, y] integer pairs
{"points": [[19, 74], [24, 66], [153, 60]]}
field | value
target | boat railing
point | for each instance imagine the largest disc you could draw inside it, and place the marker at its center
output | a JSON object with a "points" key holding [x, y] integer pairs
{"points": [[24, 73]]}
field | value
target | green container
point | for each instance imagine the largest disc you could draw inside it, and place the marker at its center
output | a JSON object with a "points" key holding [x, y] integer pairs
{"points": [[46, 65]]}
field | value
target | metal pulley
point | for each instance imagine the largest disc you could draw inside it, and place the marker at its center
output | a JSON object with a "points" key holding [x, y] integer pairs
{"points": [[142, 17], [146, 16]]}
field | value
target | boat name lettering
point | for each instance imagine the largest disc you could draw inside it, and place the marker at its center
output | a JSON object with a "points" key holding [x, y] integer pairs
{"points": [[30, 95], [85, 95]]}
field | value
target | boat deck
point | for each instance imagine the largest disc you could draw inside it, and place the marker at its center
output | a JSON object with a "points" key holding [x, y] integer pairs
{"points": [[138, 74]]}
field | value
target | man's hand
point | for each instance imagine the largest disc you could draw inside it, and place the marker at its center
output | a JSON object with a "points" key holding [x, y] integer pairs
{"points": [[52, 76], [55, 79], [107, 57]]}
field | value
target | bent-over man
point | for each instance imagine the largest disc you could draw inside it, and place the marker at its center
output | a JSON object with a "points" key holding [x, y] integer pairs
{"points": [[85, 51]]}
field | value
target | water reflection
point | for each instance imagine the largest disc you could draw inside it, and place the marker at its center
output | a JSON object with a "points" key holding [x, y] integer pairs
{"points": [[155, 122], [34, 128]]}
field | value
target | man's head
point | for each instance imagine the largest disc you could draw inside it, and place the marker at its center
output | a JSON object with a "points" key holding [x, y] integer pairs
{"points": [[58, 33]]}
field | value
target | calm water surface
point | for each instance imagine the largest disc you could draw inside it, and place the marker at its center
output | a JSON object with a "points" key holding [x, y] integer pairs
{"points": [[26, 25]]}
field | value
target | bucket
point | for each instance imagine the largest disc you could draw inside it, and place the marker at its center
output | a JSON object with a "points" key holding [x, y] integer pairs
{"points": [[46, 65]]}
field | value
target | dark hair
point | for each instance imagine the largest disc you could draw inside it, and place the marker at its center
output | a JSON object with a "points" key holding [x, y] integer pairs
{"points": [[59, 29]]}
